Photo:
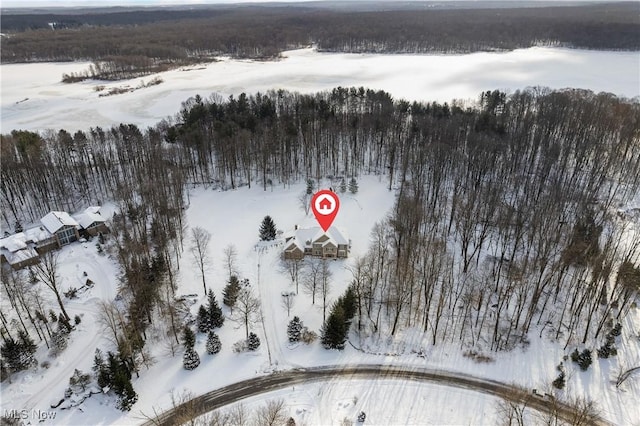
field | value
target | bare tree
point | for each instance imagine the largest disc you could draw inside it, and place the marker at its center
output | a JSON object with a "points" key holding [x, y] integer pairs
{"points": [[271, 414], [312, 280], [293, 267], [246, 309], [288, 302], [199, 250], [305, 202], [238, 415], [231, 259], [186, 407], [512, 412], [325, 286], [585, 412], [47, 271]]}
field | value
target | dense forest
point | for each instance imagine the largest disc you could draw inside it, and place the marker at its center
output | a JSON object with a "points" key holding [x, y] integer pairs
{"points": [[171, 37], [505, 219]]}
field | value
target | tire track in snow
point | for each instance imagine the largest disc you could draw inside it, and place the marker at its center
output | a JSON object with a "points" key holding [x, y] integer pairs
{"points": [[252, 387], [41, 399]]}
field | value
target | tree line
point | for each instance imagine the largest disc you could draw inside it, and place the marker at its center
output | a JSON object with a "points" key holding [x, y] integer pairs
{"points": [[264, 32]]}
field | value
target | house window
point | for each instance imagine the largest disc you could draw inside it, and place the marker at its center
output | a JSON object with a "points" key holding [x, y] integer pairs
{"points": [[67, 235]]}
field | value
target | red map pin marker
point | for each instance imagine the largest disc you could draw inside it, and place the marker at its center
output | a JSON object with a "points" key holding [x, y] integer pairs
{"points": [[325, 205]]}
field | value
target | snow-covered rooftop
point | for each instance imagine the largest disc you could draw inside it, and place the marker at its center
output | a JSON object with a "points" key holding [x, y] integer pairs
{"points": [[14, 242], [54, 220], [37, 234], [90, 216], [20, 255], [306, 236]]}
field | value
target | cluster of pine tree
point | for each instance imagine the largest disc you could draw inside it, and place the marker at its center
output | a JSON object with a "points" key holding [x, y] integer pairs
{"points": [[190, 359], [211, 316], [583, 359], [336, 327], [114, 374], [19, 354], [608, 349]]}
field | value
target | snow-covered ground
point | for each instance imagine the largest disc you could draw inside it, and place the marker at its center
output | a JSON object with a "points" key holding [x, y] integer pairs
{"points": [[233, 217], [33, 97], [385, 402]]}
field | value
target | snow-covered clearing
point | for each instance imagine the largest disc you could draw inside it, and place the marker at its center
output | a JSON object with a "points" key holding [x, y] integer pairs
{"points": [[233, 217], [33, 97]]}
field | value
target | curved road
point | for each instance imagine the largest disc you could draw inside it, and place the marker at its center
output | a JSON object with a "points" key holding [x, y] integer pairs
{"points": [[259, 385]]}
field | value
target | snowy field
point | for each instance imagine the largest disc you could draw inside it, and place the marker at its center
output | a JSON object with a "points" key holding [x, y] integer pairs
{"points": [[233, 217], [33, 97]]}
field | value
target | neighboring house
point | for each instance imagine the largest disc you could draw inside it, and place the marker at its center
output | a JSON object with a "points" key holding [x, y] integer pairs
{"points": [[15, 251], [41, 239], [331, 244], [63, 226], [58, 229], [91, 221]]}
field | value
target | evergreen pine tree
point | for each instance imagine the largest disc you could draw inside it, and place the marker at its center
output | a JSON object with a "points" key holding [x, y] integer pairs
{"points": [[334, 330], [119, 379], [343, 186], [253, 342], [560, 381], [18, 227], [188, 338], [4, 371], [216, 319], [59, 341], [63, 324], [100, 370], [230, 292], [349, 303], [203, 320], [310, 186], [19, 354], [294, 329], [190, 359], [213, 343], [617, 330], [361, 417], [583, 359], [127, 397], [267, 229], [353, 186]]}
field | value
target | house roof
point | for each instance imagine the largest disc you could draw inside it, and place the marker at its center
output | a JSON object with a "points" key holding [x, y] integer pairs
{"points": [[54, 221], [294, 244], [90, 216], [20, 255], [37, 234], [14, 242], [306, 237]]}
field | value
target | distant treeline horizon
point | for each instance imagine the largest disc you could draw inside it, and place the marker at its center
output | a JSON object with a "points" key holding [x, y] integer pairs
{"points": [[177, 36]]}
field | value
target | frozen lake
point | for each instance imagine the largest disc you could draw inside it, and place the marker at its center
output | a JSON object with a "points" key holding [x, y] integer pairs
{"points": [[33, 98]]}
